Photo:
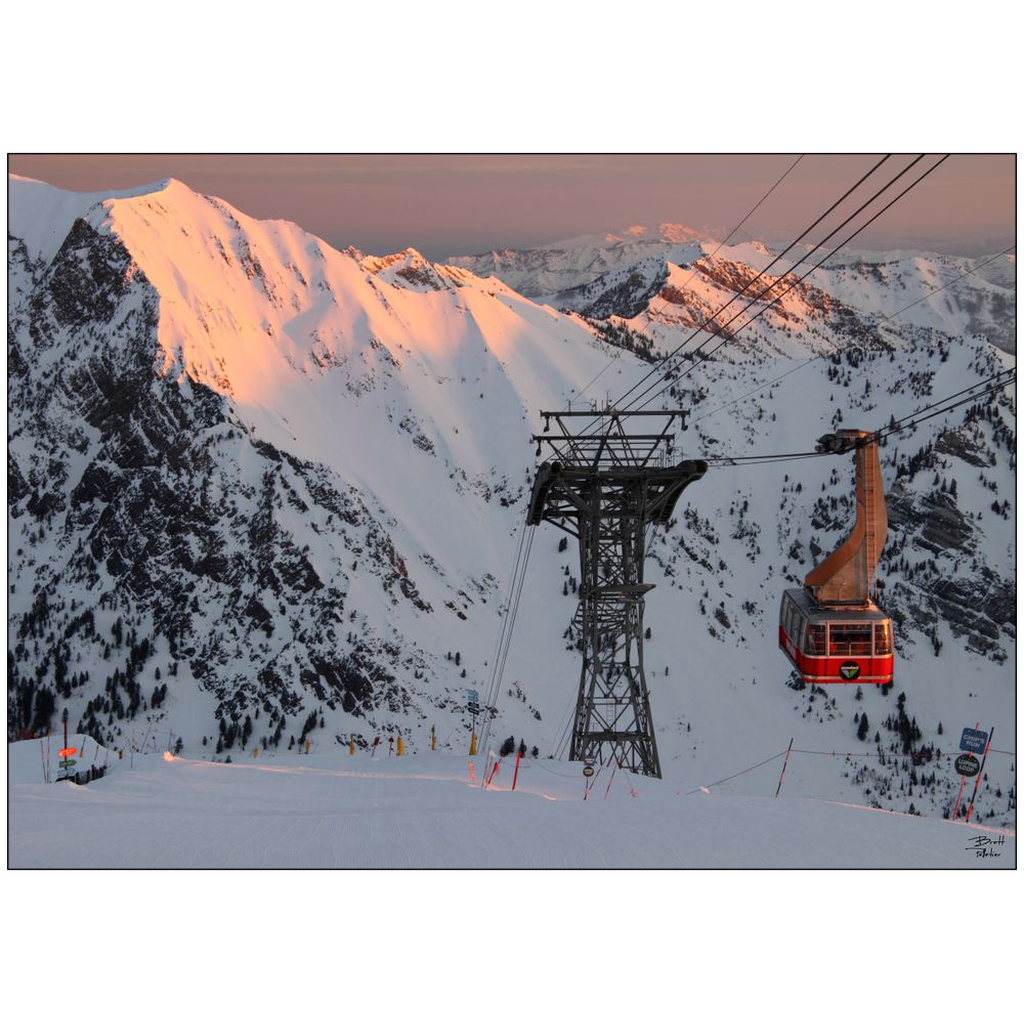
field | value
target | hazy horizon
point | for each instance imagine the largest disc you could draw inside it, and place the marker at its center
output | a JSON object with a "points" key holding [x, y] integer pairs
{"points": [[453, 205]]}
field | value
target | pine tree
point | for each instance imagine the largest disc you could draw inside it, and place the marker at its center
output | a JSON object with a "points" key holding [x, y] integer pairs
{"points": [[862, 729]]}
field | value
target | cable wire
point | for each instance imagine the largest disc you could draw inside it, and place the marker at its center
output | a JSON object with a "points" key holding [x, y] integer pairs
{"points": [[499, 665], [792, 245], [963, 401], [671, 382], [936, 408], [724, 242], [956, 394], [861, 348]]}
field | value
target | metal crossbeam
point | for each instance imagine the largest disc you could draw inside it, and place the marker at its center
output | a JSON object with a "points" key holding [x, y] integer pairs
{"points": [[605, 485]]}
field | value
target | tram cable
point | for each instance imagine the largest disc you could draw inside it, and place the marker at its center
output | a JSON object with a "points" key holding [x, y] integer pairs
{"points": [[671, 382], [856, 347], [654, 370], [665, 359], [508, 603], [725, 241], [892, 427], [505, 641], [937, 408], [963, 401], [495, 658]]}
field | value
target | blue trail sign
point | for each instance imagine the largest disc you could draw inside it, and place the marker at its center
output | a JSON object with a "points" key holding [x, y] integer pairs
{"points": [[973, 740]]}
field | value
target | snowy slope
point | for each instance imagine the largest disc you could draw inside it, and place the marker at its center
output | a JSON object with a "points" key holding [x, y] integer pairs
{"points": [[297, 474], [336, 811]]}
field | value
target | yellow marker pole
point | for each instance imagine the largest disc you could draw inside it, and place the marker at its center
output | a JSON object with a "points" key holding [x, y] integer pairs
{"points": [[401, 748], [351, 746], [472, 746], [307, 746], [433, 738], [255, 752]]}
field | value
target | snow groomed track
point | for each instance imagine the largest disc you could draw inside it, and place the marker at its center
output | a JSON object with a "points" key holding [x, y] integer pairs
{"points": [[336, 811]]}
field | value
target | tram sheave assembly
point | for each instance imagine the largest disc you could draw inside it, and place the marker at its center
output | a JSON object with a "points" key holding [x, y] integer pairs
{"points": [[831, 629]]}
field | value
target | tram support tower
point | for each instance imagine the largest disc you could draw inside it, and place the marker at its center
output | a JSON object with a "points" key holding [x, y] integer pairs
{"points": [[610, 475]]}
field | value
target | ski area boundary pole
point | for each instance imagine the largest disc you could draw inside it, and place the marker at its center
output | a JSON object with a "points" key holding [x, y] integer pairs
{"points": [[618, 764], [783, 772], [981, 771]]}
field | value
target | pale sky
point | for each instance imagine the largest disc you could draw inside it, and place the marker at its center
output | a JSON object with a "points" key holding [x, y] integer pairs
{"points": [[462, 204]]}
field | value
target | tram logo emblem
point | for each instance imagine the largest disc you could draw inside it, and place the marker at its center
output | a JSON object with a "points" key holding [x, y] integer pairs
{"points": [[849, 670]]}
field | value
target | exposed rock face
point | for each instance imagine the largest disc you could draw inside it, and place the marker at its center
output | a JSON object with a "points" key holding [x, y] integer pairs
{"points": [[148, 501], [950, 584]]}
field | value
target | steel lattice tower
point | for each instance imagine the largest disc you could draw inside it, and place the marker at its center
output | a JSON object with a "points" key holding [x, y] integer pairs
{"points": [[606, 486]]}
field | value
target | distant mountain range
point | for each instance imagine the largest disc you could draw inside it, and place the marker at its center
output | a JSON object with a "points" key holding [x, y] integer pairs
{"points": [[619, 273]]}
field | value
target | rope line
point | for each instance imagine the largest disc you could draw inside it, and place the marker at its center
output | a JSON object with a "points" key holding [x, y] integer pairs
{"points": [[759, 764], [888, 753]]}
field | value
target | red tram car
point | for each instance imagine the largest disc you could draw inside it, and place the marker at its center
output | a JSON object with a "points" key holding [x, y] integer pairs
{"points": [[836, 645], [831, 630]]}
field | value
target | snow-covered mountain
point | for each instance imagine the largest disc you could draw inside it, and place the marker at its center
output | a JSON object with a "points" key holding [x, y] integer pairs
{"points": [[602, 275], [262, 491], [559, 267]]}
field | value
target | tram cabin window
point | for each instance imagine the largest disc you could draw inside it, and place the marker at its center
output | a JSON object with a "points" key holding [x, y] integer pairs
{"points": [[847, 638], [790, 618], [814, 639], [883, 638]]}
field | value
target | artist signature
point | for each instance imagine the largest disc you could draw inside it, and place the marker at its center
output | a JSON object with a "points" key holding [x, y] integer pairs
{"points": [[982, 846]]}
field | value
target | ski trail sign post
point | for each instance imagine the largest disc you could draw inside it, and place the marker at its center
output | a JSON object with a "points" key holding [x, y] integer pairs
{"points": [[67, 762], [984, 757], [966, 765], [973, 741]]}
